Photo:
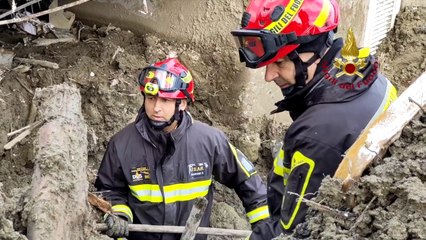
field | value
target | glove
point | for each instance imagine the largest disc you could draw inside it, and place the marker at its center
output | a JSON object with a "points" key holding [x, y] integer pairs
{"points": [[117, 226]]}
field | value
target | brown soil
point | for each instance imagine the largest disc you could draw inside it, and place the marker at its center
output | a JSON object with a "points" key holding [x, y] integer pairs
{"points": [[110, 99], [403, 53]]}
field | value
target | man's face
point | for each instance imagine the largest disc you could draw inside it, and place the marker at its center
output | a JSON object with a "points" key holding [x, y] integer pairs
{"points": [[283, 71], [161, 109]]}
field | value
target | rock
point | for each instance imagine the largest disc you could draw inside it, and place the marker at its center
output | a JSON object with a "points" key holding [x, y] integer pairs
{"points": [[224, 216]]}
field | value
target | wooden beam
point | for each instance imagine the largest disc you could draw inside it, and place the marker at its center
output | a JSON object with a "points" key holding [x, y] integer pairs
{"points": [[194, 219], [180, 229], [383, 131], [59, 181]]}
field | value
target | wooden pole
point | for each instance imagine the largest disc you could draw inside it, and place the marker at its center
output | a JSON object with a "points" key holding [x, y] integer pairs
{"points": [[194, 219], [376, 138], [180, 229], [105, 207], [56, 207]]}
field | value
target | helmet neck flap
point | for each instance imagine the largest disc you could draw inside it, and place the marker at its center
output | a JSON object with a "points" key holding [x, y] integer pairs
{"points": [[318, 47]]}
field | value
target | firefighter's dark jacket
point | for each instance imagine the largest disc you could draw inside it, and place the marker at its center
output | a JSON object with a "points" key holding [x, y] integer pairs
{"points": [[328, 115], [153, 178]]}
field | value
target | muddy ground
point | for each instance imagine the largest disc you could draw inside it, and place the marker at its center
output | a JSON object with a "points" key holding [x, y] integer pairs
{"points": [[104, 66]]}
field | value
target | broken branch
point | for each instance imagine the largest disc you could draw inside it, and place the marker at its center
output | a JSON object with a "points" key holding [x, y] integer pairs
{"points": [[24, 134], [25, 86], [362, 214], [101, 204], [42, 63], [326, 209], [21, 129], [48, 41]]}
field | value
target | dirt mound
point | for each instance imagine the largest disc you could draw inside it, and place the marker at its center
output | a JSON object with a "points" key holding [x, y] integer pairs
{"points": [[402, 54]]}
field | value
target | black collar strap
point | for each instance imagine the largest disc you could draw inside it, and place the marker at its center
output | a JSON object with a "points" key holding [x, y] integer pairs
{"points": [[301, 67]]}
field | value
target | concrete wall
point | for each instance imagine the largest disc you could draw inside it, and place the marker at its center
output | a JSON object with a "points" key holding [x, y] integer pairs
{"points": [[420, 3], [353, 14]]}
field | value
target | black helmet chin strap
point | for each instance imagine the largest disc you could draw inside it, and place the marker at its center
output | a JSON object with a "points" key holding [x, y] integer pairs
{"points": [[302, 67]]}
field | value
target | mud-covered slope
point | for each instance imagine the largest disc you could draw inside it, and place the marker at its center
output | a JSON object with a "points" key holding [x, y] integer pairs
{"points": [[402, 54], [104, 66]]}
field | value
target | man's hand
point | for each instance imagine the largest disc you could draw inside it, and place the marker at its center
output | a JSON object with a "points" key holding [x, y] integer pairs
{"points": [[117, 226]]}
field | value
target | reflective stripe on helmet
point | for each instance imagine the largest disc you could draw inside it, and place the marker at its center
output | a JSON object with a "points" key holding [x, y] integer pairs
{"points": [[323, 16], [290, 11]]}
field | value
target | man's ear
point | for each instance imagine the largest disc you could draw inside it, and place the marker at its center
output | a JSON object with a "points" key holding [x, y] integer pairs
{"points": [[183, 105]]}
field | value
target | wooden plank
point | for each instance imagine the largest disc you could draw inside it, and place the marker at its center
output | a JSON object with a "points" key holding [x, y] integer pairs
{"points": [[106, 208], [180, 229], [194, 219], [384, 130], [101, 204]]}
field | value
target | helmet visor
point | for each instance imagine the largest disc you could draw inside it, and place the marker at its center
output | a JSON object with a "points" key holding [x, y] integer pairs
{"points": [[166, 81], [257, 46], [252, 44]]}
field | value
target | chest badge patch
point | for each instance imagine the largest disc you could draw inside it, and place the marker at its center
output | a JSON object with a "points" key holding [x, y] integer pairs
{"points": [[140, 174], [197, 170]]}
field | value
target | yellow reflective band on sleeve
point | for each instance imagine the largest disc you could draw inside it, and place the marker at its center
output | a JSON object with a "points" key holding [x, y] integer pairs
{"points": [[279, 168], [244, 166], [390, 96], [279, 163], [147, 192], [186, 191], [325, 11], [172, 193], [297, 160], [123, 209], [258, 214], [290, 11]]}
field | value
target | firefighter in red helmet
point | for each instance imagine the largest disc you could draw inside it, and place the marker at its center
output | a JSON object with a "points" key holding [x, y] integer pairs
{"points": [[329, 106], [155, 168]]}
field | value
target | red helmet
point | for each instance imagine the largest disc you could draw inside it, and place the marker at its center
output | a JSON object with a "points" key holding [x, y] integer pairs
{"points": [[168, 79], [271, 29]]}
